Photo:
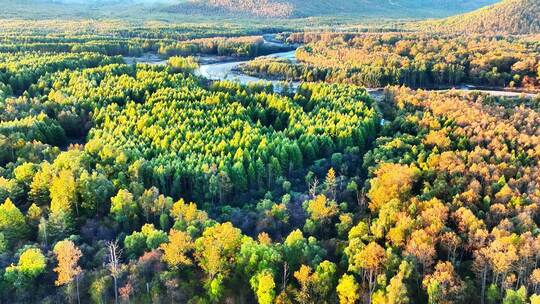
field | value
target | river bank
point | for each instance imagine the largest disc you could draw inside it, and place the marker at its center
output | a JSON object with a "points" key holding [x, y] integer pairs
{"points": [[216, 68]]}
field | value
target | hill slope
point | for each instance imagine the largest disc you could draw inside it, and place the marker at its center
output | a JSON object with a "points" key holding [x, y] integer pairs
{"points": [[506, 17], [309, 8]]}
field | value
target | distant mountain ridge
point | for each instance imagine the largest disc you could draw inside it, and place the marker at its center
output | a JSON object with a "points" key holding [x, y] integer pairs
{"points": [[309, 8], [506, 17]]}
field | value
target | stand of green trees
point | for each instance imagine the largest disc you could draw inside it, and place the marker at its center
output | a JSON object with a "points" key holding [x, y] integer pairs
{"points": [[156, 139]]}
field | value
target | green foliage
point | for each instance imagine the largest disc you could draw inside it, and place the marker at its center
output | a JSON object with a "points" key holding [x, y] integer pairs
{"points": [[263, 285], [3, 243], [197, 130], [135, 245], [298, 250], [256, 257], [183, 65], [148, 239], [31, 264], [445, 198], [124, 207], [98, 289], [95, 191], [12, 222], [516, 296]]}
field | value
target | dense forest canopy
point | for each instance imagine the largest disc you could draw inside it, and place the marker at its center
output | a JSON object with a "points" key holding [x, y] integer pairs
{"points": [[415, 60], [506, 17], [231, 146], [126, 182]]}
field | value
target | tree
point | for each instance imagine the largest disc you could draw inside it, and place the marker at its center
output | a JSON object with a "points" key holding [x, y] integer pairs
{"points": [[12, 222], [371, 259], [396, 291], [95, 191], [216, 251], [224, 185], [481, 266], [444, 285], [147, 201], [238, 177], [31, 264], [23, 176], [126, 291], [348, 290], [421, 247], [322, 210], [55, 228], [33, 215], [113, 254], [41, 183], [182, 64], [315, 287], [298, 250], [175, 252], [187, 214], [63, 193], [330, 183], [274, 170], [306, 280], [124, 207], [326, 280], [135, 245], [534, 278], [154, 237], [516, 296], [264, 285], [256, 257], [67, 255], [99, 289], [392, 181], [3, 244]]}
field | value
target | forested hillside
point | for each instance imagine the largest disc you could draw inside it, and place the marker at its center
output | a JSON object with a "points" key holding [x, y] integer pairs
{"points": [[304, 8], [197, 10], [509, 16]]}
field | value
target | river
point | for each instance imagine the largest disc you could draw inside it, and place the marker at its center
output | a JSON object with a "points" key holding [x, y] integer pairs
{"points": [[228, 70]]}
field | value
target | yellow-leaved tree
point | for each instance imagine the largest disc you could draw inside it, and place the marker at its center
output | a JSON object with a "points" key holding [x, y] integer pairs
{"points": [[68, 269], [175, 252], [347, 290]]}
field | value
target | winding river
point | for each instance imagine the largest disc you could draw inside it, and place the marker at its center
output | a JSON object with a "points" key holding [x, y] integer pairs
{"points": [[228, 70]]}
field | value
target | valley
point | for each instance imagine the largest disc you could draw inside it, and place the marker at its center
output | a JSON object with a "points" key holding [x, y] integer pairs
{"points": [[271, 152]]}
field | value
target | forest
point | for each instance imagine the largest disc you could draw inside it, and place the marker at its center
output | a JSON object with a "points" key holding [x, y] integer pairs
{"points": [[415, 60], [372, 175], [157, 139], [516, 17]]}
